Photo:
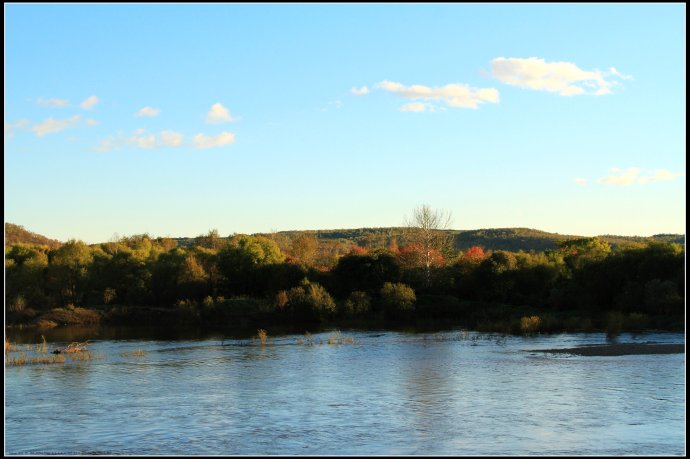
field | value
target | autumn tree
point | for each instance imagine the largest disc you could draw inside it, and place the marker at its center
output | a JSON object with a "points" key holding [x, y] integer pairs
{"points": [[304, 248]]}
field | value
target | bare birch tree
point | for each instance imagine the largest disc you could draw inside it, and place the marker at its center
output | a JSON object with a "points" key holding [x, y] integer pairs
{"points": [[427, 228]]}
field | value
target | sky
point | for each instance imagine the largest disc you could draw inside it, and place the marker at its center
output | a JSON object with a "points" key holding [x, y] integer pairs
{"points": [[175, 119]]}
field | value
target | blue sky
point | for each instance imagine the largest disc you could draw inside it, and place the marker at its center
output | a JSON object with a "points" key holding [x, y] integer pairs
{"points": [[177, 119]]}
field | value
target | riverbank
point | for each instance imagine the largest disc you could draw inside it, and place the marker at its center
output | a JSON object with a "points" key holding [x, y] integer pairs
{"points": [[251, 314]]}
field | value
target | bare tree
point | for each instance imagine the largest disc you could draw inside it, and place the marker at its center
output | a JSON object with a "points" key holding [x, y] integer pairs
{"points": [[427, 229]]}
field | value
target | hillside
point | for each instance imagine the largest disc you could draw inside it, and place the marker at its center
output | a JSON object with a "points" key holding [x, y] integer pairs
{"points": [[15, 234], [511, 239], [342, 240]]}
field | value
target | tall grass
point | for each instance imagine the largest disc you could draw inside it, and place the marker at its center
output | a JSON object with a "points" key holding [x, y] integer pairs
{"points": [[530, 325]]}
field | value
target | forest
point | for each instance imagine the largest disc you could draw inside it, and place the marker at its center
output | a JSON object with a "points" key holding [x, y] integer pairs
{"points": [[391, 277]]}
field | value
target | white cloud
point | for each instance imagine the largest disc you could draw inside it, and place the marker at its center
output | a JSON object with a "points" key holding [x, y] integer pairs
{"points": [[415, 107], [52, 125], [147, 111], [581, 181], [663, 175], [89, 102], [171, 138], [224, 138], [91, 122], [143, 141], [11, 127], [632, 176], [363, 91], [218, 114], [564, 78], [52, 102], [454, 95]]}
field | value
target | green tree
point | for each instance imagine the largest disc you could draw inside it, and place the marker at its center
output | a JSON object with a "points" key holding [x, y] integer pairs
{"points": [[68, 271], [25, 269], [240, 259], [582, 251]]}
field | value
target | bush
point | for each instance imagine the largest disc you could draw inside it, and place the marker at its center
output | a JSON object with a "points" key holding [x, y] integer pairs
{"points": [[309, 302], [397, 299], [357, 303]]}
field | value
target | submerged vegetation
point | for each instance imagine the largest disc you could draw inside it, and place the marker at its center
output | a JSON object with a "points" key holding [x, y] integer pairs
{"points": [[38, 354], [580, 284]]}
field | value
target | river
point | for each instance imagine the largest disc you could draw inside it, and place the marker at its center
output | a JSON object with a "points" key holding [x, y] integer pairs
{"points": [[367, 393]]}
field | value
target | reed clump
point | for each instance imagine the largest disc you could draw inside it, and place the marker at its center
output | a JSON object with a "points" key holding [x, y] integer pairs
{"points": [[262, 335], [530, 324], [16, 360], [338, 338], [9, 347]]}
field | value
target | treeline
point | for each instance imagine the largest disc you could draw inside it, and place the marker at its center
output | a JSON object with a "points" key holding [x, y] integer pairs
{"points": [[509, 239], [216, 280]]}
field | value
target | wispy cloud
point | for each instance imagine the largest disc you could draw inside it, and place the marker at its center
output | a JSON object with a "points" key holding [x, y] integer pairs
{"points": [[171, 138], [219, 114], [51, 125], [454, 95], [632, 176], [11, 127], [147, 111], [107, 145], [564, 78], [140, 138], [203, 141], [89, 103], [91, 122], [52, 102], [418, 107], [580, 181], [363, 91]]}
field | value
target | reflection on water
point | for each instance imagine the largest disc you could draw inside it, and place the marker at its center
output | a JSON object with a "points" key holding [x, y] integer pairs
{"points": [[455, 393]]}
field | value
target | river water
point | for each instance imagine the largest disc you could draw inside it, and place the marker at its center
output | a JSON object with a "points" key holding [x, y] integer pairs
{"points": [[377, 393]]}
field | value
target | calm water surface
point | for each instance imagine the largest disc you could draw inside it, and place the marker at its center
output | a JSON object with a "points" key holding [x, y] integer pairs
{"points": [[455, 392]]}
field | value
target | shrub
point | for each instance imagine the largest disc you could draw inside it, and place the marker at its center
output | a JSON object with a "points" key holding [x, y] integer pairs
{"points": [[18, 305], [397, 299], [310, 301], [357, 303]]}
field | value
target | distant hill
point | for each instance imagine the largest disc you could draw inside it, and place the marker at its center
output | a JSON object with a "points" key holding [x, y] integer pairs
{"points": [[15, 234], [511, 239]]}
